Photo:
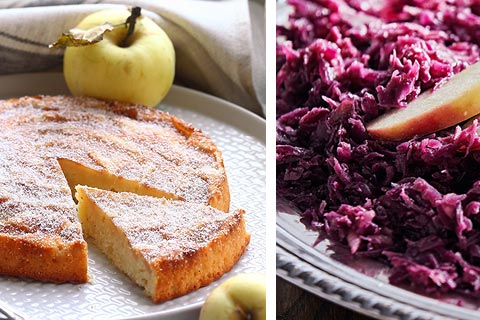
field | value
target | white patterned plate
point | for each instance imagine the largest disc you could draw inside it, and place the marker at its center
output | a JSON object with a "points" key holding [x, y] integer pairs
{"points": [[241, 137]]}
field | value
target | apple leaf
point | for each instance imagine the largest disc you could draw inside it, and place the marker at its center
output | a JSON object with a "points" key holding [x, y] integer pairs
{"points": [[79, 38]]}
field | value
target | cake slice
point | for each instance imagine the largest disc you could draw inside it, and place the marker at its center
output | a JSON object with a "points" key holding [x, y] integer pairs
{"points": [[169, 247]]}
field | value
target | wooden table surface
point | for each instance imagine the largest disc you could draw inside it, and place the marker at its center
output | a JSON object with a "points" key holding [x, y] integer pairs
{"points": [[296, 303]]}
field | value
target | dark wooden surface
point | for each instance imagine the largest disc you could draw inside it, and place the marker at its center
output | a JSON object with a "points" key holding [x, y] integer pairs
{"points": [[296, 303]]}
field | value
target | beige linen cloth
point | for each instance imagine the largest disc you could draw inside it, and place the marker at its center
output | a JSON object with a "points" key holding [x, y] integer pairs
{"points": [[220, 45]]}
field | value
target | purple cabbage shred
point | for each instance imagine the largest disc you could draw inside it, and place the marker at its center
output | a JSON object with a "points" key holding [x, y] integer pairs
{"points": [[414, 204]]}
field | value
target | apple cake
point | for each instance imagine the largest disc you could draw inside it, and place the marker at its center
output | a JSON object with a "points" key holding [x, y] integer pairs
{"points": [[169, 247], [50, 144]]}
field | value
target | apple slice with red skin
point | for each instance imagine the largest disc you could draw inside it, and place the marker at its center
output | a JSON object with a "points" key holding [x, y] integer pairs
{"points": [[455, 101]]}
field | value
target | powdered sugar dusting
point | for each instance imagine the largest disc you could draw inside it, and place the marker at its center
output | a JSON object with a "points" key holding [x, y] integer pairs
{"points": [[127, 141], [161, 228]]}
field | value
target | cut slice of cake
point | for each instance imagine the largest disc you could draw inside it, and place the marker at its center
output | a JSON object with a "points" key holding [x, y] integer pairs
{"points": [[168, 247]]}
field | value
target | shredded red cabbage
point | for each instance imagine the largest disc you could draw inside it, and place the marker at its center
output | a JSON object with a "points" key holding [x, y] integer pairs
{"points": [[414, 204]]}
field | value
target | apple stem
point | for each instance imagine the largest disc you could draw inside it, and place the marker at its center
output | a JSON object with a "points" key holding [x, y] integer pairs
{"points": [[131, 20]]}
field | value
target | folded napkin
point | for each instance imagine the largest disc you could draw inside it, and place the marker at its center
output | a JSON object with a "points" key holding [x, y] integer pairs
{"points": [[220, 45]]}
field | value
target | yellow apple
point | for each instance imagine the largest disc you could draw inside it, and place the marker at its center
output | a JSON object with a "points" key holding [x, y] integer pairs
{"points": [[140, 72], [455, 101], [240, 297]]}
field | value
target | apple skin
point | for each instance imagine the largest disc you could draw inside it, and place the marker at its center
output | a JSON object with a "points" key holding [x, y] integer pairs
{"points": [[240, 297], [455, 101], [140, 73]]}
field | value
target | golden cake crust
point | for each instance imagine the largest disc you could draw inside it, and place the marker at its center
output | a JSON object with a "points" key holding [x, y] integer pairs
{"points": [[204, 265], [184, 246], [44, 258], [44, 139]]}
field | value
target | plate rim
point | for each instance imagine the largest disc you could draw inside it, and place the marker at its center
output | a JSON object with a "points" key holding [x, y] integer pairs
{"points": [[305, 276], [296, 263]]}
